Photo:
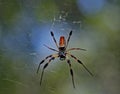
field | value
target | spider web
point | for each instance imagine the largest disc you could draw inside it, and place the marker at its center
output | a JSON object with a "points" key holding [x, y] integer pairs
{"points": [[62, 21]]}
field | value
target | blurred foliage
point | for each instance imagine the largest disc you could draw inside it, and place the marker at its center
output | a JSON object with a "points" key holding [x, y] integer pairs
{"points": [[25, 26], [46, 10], [9, 9]]}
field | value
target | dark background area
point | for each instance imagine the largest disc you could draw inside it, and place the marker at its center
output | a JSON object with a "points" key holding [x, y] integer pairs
{"points": [[25, 27]]}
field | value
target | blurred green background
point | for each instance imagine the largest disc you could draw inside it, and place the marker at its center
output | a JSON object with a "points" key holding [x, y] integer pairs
{"points": [[25, 26]]}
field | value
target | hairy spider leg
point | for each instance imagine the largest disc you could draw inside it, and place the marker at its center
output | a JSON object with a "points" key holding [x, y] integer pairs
{"points": [[42, 62], [76, 49], [45, 66], [80, 63], [51, 48], [52, 34], [71, 72], [68, 38]]}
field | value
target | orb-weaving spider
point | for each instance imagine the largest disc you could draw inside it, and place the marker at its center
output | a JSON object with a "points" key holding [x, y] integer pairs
{"points": [[63, 54]]}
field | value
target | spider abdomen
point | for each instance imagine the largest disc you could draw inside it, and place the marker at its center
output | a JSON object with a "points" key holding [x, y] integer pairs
{"points": [[62, 42]]}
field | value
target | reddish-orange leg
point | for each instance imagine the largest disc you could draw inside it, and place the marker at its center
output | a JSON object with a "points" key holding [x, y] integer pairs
{"points": [[62, 52]]}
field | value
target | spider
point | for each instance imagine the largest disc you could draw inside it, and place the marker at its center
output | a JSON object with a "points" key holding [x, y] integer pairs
{"points": [[62, 54]]}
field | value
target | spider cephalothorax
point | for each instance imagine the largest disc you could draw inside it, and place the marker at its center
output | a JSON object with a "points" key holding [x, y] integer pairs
{"points": [[62, 53]]}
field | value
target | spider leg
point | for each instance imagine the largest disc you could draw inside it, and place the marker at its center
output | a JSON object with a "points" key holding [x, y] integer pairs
{"points": [[68, 38], [71, 72], [54, 39], [76, 49], [80, 63], [43, 62], [45, 66], [54, 55], [51, 48]]}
